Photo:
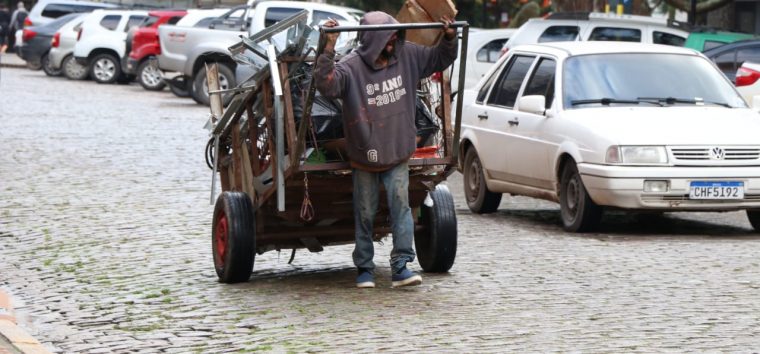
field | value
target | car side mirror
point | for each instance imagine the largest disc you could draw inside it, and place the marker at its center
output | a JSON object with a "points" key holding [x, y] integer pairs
{"points": [[534, 104]]}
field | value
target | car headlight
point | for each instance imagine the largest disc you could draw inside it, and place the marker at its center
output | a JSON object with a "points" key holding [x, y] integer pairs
{"points": [[637, 155]]}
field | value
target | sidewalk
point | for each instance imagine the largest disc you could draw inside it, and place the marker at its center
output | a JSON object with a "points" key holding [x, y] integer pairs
{"points": [[11, 60], [13, 339]]}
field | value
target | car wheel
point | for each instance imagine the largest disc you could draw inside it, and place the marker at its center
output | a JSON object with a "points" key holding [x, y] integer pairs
{"points": [[233, 237], [436, 243], [199, 91], [105, 69], [149, 76], [479, 199], [754, 218], [579, 213], [73, 70], [48, 68], [33, 66]]}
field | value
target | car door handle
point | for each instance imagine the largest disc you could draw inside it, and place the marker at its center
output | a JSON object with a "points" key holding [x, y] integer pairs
{"points": [[483, 116], [513, 122]]}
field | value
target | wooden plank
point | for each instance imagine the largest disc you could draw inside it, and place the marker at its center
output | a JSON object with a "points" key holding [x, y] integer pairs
{"points": [[237, 156], [253, 136], [290, 125], [448, 135]]}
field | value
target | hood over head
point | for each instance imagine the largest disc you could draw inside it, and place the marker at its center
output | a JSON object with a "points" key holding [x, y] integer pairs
{"points": [[372, 43]]}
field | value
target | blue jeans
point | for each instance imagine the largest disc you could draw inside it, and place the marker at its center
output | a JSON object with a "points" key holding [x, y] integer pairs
{"points": [[366, 196]]}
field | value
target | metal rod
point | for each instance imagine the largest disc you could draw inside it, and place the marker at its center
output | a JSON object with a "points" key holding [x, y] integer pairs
{"points": [[279, 126], [400, 26], [460, 94]]}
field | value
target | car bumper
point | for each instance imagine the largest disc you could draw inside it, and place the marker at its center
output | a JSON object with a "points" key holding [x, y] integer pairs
{"points": [[55, 56], [129, 65], [623, 186]]}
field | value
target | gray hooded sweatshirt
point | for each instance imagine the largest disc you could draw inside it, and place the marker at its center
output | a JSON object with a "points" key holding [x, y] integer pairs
{"points": [[379, 102]]}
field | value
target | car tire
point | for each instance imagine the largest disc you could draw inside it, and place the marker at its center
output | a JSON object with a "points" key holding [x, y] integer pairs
{"points": [[48, 68], [436, 244], [149, 76], [479, 199], [33, 66], [754, 218], [199, 91], [105, 69], [73, 70], [578, 212], [233, 237]]}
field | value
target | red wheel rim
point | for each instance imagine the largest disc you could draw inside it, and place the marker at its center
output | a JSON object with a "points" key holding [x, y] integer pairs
{"points": [[221, 240]]}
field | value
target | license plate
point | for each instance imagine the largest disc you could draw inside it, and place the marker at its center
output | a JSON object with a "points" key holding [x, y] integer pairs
{"points": [[716, 190]]}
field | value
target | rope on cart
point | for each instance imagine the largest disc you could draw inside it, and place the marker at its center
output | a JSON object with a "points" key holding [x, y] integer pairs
{"points": [[307, 210]]}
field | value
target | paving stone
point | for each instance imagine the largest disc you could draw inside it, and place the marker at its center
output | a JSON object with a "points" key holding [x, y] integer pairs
{"points": [[105, 239]]}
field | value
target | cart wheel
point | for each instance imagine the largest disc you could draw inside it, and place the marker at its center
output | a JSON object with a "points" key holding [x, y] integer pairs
{"points": [[233, 237], [437, 244]]}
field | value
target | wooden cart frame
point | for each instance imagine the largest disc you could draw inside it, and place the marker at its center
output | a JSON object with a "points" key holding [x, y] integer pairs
{"points": [[309, 205]]}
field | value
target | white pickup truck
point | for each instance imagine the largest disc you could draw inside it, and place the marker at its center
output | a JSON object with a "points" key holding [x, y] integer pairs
{"points": [[187, 49]]}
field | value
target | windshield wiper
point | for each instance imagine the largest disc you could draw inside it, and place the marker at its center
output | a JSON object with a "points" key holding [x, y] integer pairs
{"points": [[674, 100], [607, 101]]}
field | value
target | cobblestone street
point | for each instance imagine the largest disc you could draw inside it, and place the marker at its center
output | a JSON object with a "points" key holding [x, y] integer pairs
{"points": [[105, 246]]}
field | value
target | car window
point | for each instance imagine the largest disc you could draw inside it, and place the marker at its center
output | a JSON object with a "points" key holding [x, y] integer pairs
{"points": [[323, 16], [490, 52], [712, 44], [559, 34], [615, 34], [277, 14], [747, 54], [174, 20], [726, 62], [508, 85], [204, 23], [667, 39], [110, 22], [150, 21], [542, 80], [59, 22], [487, 85], [631, 76], [134, 21], [236, 15]]}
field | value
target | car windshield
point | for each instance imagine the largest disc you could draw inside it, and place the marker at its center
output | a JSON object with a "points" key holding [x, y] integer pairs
{"points": [[644, 78]]}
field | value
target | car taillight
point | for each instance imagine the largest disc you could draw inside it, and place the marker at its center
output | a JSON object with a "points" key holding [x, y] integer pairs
{"points": [[79, 34], [27, 35], [28, 22], [56, 41], [746, 77]]}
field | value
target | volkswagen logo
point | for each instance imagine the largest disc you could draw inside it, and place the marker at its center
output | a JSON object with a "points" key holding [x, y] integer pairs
{"points": [[717, 153]]}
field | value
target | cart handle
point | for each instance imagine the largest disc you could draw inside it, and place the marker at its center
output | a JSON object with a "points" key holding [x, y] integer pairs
{"points": [[400, 26]]}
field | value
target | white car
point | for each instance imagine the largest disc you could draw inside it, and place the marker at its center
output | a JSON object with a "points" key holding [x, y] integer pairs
{"points": [[593, 125], [61, 55], [594, 26], [748, 82], [483, 50], [101, 42], [45, 11]]}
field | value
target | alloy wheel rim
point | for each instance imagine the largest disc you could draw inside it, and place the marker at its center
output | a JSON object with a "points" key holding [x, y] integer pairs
{"points": [[473, 182], [151, 76], [573, 197], [104, 69], [223, 84], [74, 69]]}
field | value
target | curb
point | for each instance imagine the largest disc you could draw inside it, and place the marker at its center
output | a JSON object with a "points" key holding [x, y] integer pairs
{"points": [[21, 341]]}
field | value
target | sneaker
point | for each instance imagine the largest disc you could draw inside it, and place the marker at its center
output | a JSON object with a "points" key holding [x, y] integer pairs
{"points": [[406, 277], [365, 280]]}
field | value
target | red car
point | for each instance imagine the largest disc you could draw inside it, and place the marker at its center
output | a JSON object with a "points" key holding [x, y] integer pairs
{"points": [[143, 47]]}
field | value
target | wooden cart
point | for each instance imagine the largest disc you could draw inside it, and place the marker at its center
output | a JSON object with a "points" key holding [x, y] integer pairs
{"points": [[275, 197]]}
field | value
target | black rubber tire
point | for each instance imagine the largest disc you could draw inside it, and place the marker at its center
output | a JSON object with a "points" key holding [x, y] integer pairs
{"points": [[148, 75], [233, 237], [754, 218], [73, 70], [179, 92], [49, 70], [33, 66], [437, 244], [578, 212], [479, 199], [103, 64], [199, 91]]}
